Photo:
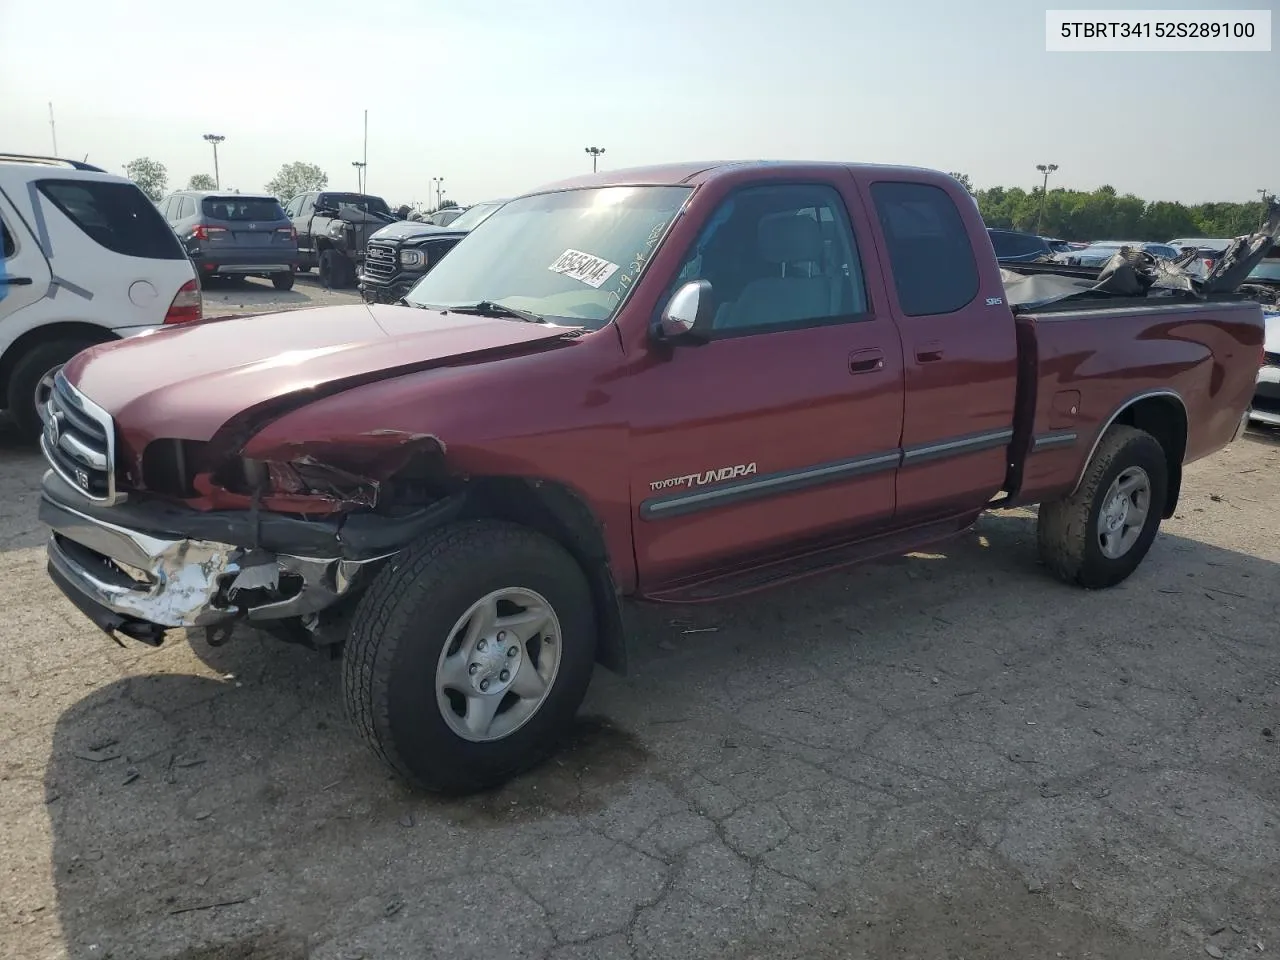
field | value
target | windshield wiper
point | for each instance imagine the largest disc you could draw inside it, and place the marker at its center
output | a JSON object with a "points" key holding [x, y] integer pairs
{"points": [[490, 308]]}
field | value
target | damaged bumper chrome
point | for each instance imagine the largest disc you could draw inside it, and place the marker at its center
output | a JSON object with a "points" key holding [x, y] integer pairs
{"points": [[143, 583]]}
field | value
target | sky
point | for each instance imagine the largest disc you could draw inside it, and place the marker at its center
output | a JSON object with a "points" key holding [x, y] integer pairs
{"points": [[501, 96]]}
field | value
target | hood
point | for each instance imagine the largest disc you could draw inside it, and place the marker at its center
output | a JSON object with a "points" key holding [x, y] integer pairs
{"points": [[188, 381], [406, 229]]}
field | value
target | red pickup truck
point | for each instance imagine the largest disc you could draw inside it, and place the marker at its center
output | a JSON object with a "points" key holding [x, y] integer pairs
{"points": [[677, 383]]}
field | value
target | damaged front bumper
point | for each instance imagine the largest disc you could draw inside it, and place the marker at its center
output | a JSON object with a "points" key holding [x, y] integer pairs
{"points": [[141, 582]]}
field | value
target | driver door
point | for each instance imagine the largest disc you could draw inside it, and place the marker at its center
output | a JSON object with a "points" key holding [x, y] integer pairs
{"points": [[784, 429]]}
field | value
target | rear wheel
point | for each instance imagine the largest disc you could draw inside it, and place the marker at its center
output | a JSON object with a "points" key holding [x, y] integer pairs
{"points": [[282, 281], [330, 270], [470, 654], [1097, 536], [31, 381]]}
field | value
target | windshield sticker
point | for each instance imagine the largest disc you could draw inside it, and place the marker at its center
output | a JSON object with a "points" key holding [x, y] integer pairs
{"points": [[591, 270]]}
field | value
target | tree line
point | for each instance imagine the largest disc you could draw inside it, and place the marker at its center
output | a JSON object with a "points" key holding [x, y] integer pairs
{"points": [[1103, 214], [1100, 214], [152, 177]]}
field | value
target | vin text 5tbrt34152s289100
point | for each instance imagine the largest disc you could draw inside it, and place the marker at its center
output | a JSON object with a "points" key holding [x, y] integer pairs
{"points": [[675, 384]]}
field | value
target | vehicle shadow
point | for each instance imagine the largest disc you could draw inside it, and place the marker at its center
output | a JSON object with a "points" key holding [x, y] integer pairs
{"points": [[237, 816]]}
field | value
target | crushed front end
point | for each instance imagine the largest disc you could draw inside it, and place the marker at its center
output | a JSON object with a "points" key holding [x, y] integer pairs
{"points": [[139, 564]]}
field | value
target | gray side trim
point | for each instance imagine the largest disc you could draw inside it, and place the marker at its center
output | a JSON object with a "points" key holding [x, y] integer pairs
{"points": [[1053, 440], [956, 447], [786, 481], [1112, 419], [769, 484], [56, 282], [42, 228]]}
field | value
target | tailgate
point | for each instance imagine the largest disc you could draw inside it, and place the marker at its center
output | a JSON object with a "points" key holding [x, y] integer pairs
{"points": [[238, 223]]}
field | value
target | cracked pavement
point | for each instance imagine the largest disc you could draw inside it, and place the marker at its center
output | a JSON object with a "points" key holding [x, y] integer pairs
{"points": [[949, 755]]}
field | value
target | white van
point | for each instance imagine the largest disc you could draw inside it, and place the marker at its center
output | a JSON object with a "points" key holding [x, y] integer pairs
{"points": [[87, 258]]}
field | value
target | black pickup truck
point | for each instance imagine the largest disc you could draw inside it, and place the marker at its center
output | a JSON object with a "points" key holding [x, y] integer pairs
{"points": [[333, 231], [399, 255]]}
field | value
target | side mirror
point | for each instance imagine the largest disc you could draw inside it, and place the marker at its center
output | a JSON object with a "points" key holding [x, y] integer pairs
{"points": [[688, 315]]}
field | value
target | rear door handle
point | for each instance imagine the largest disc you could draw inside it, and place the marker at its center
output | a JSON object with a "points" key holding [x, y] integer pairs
{"points": [[929, 352], [866, 361]]}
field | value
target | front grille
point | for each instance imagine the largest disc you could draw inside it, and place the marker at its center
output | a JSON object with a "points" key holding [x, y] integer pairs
{"points": [[1271, 359], [79, 441], [380, 261]]}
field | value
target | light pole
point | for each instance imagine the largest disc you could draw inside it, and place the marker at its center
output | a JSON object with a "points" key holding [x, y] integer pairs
{"points": [[215, 139], [438, 181], [1046, 169], [595, 156], [359, 165]]}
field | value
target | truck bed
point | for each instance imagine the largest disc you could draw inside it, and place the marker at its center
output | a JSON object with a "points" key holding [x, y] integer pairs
{"points": [[1083, 360]]}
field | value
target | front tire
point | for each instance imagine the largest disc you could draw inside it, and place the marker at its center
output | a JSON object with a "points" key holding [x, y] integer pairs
{"points": [[470, 654], [1097, 536], [31, 380]]}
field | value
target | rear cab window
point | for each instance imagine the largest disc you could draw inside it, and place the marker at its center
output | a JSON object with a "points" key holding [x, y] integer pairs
{"points": [[241, 208], [117, 216], [930, 255]]}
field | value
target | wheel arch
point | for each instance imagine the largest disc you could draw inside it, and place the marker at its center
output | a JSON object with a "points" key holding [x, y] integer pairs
{"points": [[562, 514], [1163, 414], [47, 333]]}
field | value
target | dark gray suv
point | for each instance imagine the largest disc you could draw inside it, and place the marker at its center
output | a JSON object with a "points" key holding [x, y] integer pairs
{"points": [[234, 234]]}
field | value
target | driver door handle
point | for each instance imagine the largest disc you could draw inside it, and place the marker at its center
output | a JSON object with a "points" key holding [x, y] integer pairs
{"points": [[866, 361], [16, 281], [928, 352]]}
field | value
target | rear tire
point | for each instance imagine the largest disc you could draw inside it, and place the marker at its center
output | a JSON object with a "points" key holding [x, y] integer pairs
{"points": [[413, 673], [37, 365], [282, 281], [327, 271], [1097, 536]]}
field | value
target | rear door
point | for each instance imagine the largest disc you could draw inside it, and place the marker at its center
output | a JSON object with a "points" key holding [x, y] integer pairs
{"points": [[24, 272], [302, 224], [960, 351]]}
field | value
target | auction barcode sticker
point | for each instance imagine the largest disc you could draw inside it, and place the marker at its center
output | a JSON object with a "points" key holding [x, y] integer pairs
{"points": [[1157, 31], [590, 269]]}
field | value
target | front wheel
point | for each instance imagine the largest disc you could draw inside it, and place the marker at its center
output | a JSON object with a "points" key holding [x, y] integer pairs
{"points": [[470, 654], [1097, 536]]}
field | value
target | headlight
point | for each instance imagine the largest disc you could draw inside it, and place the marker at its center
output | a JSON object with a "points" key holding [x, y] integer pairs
{"points": [[412, 258]]}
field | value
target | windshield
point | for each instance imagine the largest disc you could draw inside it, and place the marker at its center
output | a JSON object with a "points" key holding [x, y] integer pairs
{"points": [[242, 208], [569, 256], [474, 216], [1266, 270], [374, 204]]}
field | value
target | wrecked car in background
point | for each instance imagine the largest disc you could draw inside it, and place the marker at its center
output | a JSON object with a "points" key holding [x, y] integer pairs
{"points": [[569, 410], [399, 255], [1263, 285]]}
